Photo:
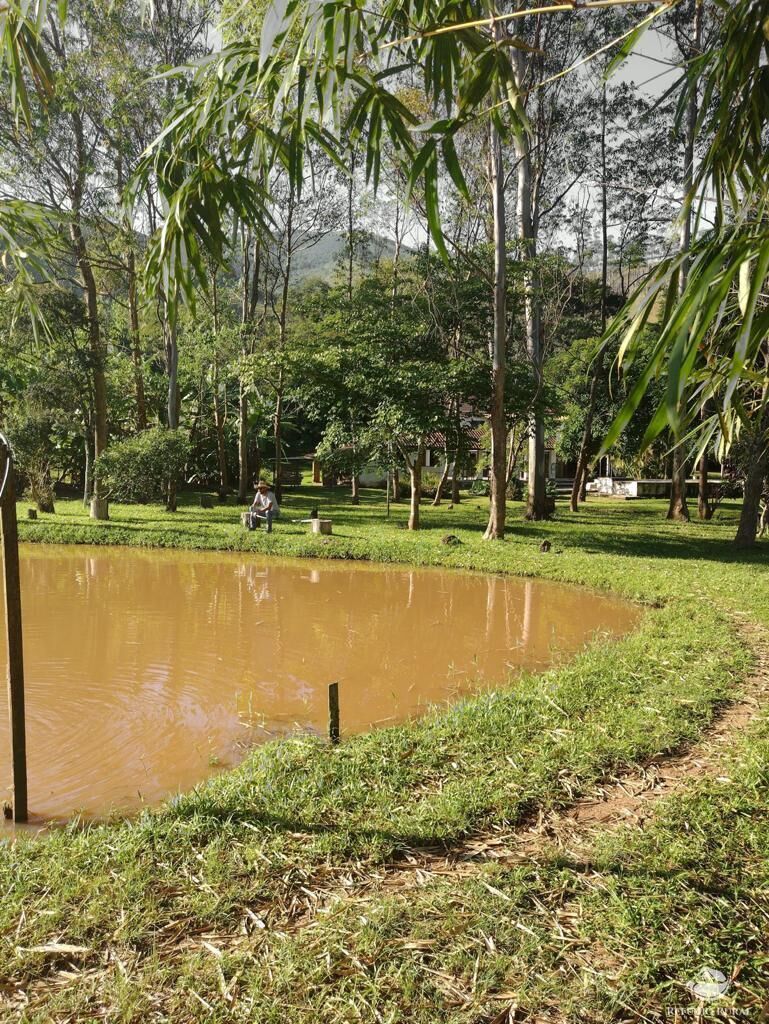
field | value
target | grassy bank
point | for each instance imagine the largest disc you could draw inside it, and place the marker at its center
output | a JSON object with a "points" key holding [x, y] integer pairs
{"points": [[185, 913]]}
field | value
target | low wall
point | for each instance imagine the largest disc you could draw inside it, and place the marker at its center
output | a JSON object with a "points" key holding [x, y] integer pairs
{"points": [[618, 487]]}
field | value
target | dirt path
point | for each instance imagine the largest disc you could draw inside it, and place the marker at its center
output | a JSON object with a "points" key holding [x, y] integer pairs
{"points": [[626, 799]]}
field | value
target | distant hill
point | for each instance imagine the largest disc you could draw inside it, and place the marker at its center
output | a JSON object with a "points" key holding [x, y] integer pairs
{"points": [[323, 259]]}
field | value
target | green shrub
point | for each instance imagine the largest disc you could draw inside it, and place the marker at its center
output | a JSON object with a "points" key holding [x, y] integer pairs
{"points": [[34, 445], [138, 469], [430, 481], [515, 489]]}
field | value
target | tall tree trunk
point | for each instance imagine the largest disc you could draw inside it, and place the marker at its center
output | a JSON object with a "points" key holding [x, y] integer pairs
{"points": [[604, 214], [219, 409], [536, 461], [99, 504], [249, 299], [441, 483], [171, 345], [282, 341], [97, 348], [498, 509], [396, 485], [704, 508], [583, 458], [415, 473], [170, 341], [397, 249], [136, 349], [685, 236], [87, 468], [133, 310], [527, 233], [751, 500], [351, 225], [458, 457], [579, 487], [678, 508], [277, 485], [242, 444], [756, 456], [221, 447], [355, 489]]}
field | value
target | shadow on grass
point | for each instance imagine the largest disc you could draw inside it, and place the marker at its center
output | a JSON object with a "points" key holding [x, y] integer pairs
{"points": [[350, 836]]}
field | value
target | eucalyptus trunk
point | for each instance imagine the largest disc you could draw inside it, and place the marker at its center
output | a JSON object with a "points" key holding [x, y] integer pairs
{"points": [[277, 421], [283, 341], [756, 455], [415, 474], [136, 351], [678, 508], [704, 508], [396, 486], [97, 348], [97, 355], [498, 509], [751, 504], [441, 483], [458, 459], [351, 225], [221, 447], [583, 459], [87, 468], [172, 399], [536, 461], [242, 444], [579, 487]]}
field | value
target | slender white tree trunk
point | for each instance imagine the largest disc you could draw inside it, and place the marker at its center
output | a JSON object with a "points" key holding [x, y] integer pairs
{"points": [[497, 512]]}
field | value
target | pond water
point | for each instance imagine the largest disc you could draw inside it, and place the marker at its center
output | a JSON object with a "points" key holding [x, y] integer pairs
{"points": [[147, 671]]}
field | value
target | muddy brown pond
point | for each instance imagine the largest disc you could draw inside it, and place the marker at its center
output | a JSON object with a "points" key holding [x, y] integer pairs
{"points": [[148, 670]]}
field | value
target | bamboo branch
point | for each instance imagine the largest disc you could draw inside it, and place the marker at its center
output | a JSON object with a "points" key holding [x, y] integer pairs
{"points": [[495, 19]]}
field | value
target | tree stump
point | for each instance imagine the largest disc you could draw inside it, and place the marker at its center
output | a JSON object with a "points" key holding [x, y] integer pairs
{"points": [[321, 526], [31, 513], [544, 546], [99, 508], [206, 501]]}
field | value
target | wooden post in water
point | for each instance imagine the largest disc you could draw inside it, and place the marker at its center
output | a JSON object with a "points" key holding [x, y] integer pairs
{"points": [[12, 590], [333, 712]]}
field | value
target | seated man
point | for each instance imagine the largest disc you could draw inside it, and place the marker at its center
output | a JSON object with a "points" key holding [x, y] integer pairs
{"points": [[264, 507]]}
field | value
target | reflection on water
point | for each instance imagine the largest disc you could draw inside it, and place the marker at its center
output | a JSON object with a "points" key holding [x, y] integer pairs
{"points": [[146, 669]]}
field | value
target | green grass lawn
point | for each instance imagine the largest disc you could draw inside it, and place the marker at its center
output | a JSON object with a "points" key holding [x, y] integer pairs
{"points": [[182, 913]]}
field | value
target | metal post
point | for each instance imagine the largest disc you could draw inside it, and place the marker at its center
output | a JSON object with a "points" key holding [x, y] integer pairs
{"points": [[333, 712], [12, 590]]}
